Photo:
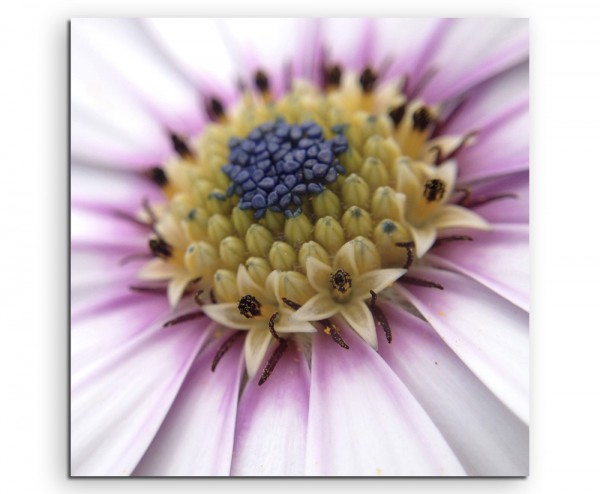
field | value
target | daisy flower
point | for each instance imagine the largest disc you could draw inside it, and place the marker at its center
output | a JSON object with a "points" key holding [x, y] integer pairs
{"points": [[299, 247]]}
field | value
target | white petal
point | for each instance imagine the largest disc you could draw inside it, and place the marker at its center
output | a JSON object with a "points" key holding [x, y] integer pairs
{"points": [[363, 421], [122, 50], [96, 274], [359, 317], [197, 44], [270, 434], [503, 148], [320, 306], [196, 437], [486, 437], [493, 100], [488, 333], [101, 325], [471, 51], [90, 183], [508, 210], [94, 226], [498, 259], [119, 402], [255, 348]]}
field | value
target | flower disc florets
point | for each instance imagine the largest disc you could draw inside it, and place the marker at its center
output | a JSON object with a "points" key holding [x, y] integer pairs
{"points": [[278, 164], [285, 213]]}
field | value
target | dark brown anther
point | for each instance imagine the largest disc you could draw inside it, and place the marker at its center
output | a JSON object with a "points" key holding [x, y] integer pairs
{"points": [[160, 248], [439, 157], [411, 280], [261, 81], [272, 325], [214, 109], [158, 290], [134, 257], [330, 329], [421, 119], [482, 201], [291, 303], [409, 246], [197, 299], [341, 281], [441, 125], [129, 217], [148, 209], [332, 76], [452, 238], [224, 348], [275, 356], [368, 78], [158, 176], [463, 142], [180, 146], [434, 190], [379, 317], [420, 84], [213, 298], [249, 307], [466, 195], [183, 318], [397, 114]]}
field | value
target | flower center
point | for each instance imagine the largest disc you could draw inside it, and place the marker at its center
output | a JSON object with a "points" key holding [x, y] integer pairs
{"points": [[277, 191], [278, 164]]}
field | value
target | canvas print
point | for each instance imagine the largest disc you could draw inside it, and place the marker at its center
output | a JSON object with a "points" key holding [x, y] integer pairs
{"points": [[299, 247]]}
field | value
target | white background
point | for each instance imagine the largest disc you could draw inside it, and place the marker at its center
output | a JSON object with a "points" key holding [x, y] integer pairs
{"points": [[565, 164]]}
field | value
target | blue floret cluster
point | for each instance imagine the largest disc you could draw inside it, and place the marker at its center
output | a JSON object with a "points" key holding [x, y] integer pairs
{"points": [[280, 163]]}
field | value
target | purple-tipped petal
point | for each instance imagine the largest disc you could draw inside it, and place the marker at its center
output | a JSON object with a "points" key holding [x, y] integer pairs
{"points": [[270, 436], [488, 333], [196, 437], [473, 51], [116, 409], [89, 226], [193, 44], [500, 149], [89, 186], [488, 101], [363, 420], [485, 436], [103, 323], [120, 48], [514, 209], [498, 259]]}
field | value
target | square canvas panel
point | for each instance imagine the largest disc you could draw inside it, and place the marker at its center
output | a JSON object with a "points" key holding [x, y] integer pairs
{"points": [[299, 247]]}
